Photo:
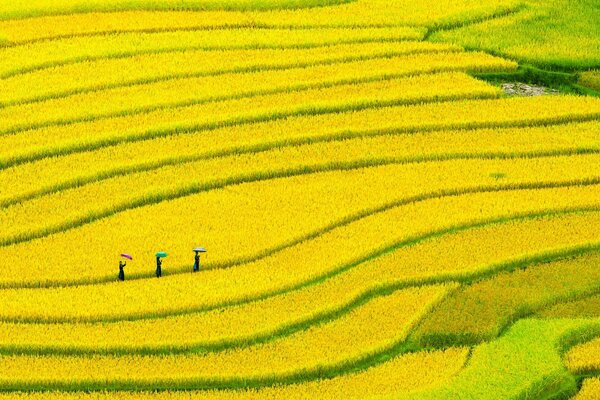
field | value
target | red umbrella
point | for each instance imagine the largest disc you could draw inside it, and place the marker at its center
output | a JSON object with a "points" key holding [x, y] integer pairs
{"points": [[125, 255]]}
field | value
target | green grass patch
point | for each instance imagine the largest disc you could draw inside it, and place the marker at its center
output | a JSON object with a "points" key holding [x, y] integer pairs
{"points": [[563, 81], [552, 34], [481, 311], [588, 307], [525, 363]]}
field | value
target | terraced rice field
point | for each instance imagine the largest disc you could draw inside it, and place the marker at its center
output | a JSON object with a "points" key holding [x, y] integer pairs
{"points": [[381, 219]]}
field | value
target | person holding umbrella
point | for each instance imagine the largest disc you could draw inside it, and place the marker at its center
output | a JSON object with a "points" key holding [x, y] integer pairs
{"points": [[159, 255], [122, 266], [198, 250]]}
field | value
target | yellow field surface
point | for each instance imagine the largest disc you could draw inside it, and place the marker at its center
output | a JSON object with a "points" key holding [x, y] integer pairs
{"points": [[590, 79], [57, 206], [287, 267], [587, 307], [344, 95], [106, 73], [383, 216], [377, 325], [590, 390], [584, 357], [136, 229], [41, 55], [410, 373], [483, 309], [257, 319], [362, 12], [302, 128]]}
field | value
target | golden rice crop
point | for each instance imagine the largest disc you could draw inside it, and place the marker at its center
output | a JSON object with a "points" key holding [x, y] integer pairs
{"points": [[480, 311], [21, 9], [230, 326], [152, 226], [90, 76], [139, 98], [250, 85], [100, 73], [582, 308], [331, 252], [358, 13], [410, 372], [24, 58], [584, 357], [346, 95], [258, 319], [365, 192], [590, 389], [413, 147], [56, 207], [448, 115], [378, 325], [590, 79]]}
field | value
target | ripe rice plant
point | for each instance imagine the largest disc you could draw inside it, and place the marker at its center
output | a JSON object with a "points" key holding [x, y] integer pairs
{"points": [[45, 55], [584, 358], [586, 307], [590, 79], [410, 372], [380, 324], [590, 389], [288, 199], [103, 228]]}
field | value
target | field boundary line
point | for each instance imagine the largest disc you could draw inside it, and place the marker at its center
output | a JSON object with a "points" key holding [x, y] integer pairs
{"points": [[197, 187], [182, 49], [364, 361], [124, 113], [215, 72], [302, 111], [380, 251], [198, 28], [329, 314]]}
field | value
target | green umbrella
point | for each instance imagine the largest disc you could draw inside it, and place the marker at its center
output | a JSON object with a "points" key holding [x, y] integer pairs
{"points": [[161, 254]]}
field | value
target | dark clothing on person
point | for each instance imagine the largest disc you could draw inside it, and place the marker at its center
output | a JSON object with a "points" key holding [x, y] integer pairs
{"points": [[121, 271], [158, 267], [197, 263]]}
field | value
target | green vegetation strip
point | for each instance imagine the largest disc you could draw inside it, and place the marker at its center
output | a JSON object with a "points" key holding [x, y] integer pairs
{"points": [[451, 25], [481, 311], [559, 35], [532, 351]]}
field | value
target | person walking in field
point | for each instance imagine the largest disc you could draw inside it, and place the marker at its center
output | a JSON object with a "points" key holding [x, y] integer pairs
{"points": [[158, 267], [122, 265], [197, 263], [121, 272], [159, 257], [198, 250]]}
